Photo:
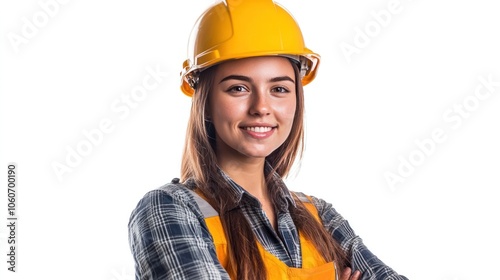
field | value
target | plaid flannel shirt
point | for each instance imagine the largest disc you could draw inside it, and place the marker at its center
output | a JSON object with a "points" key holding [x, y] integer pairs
{"points": [[169, 238]]}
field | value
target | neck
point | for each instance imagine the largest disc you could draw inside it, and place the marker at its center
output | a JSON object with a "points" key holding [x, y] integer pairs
{"points": [[248, 174]]}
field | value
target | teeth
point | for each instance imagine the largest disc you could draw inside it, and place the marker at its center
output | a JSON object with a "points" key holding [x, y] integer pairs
{"points": [[259, 128]]}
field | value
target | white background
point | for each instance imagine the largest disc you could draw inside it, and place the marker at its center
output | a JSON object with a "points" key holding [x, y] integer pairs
{"points": [[363, 117]]}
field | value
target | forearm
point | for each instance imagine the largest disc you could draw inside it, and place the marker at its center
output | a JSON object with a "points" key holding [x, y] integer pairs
{"points": [[360, 257]]}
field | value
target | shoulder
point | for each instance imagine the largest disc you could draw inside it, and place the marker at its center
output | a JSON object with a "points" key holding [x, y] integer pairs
{"points": [[168, 193], [326, 211], [172, 199], [320, 204]]}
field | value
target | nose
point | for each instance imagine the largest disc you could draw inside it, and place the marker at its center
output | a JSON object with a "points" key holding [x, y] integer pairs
{"points": [[259, 104]]}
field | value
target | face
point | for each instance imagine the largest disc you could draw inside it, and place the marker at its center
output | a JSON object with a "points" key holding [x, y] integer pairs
{"points": [[252, 105]]}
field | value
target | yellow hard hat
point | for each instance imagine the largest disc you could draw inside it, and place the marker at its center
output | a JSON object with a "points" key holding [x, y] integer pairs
{"points": [[235, 29]]}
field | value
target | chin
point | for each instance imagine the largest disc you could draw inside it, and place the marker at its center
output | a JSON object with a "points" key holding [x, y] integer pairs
{"points": [[258, 154]]}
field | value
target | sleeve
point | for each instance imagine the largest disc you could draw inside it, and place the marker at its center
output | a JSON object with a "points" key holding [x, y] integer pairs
{"points": [[169, 240], [360, 257]]}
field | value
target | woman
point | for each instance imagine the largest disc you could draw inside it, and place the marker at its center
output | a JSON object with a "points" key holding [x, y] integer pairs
{"points": [[230, 216]]}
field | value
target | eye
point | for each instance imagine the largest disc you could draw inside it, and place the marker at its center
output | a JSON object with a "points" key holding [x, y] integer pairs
{"points": [[280, 90], [236, 89]]}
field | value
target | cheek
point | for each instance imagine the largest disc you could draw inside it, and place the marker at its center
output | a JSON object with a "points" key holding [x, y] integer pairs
{"points": [[287, 111], [225, 111], [226, 114]]}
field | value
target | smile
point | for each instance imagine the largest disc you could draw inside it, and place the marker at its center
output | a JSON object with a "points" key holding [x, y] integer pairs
{"points": [[258, 128]]}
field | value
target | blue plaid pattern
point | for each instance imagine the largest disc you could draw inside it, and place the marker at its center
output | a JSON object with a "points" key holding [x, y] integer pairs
{"points": [[169, 238]]}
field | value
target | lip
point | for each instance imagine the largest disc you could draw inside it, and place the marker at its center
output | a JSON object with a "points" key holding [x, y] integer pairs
{"points": [[259, 134]]}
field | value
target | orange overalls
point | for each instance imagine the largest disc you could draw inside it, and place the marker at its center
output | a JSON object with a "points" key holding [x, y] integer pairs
{"points": [[314, 266]]}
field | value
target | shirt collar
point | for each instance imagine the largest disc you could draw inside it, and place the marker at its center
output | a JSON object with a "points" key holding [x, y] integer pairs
{"points": [[285, 197]]}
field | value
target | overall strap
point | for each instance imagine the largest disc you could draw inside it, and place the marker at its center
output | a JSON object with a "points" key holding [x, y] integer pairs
{"points": [[206, 209], [213, 222], [308, 203], [313, 266]]}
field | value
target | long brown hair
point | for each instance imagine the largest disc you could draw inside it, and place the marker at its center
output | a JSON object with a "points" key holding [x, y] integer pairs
{"points": [[199, 164]]}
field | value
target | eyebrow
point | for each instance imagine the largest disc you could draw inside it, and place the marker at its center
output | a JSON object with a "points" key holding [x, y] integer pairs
{"points": [[282, 78], [248, 79]]}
